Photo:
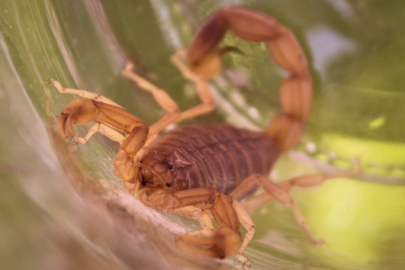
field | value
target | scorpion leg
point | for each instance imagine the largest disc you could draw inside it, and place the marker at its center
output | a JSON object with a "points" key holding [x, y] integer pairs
{"points": [[221, 242], [110, 133], [208, 241], [302, 181], [279, 193], [249, 225], [81, 93], [173, 114], [203, 216], [202, 86], [164, 100]]}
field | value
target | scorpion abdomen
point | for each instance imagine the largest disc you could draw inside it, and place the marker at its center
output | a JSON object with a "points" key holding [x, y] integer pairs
{"points": [[214, 156]]}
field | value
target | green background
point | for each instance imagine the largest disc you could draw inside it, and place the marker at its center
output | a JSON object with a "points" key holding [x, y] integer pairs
{"points": [[356, 53]]}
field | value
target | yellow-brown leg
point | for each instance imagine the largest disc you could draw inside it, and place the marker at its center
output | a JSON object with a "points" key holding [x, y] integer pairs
{"points": [[202, 86], [278, 192], [221, 242], [250, 227], [81, 93], [303, 181], [162, 98], [224, 241], [203, 216], [166, 102], [110, 133]]}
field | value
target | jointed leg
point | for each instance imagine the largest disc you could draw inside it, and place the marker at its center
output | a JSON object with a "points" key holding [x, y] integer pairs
{"points": [[221, 242], [81, 93], [164, 100], [249, 225], [303, 181], [203, 216], [275, 191], [110, 133], [202, 86]]}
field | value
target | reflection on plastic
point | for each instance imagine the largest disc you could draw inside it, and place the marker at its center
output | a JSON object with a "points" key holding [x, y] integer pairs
{"points": [[362, 222]]}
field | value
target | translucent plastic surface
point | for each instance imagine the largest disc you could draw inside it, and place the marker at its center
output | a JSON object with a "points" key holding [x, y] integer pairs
{"points": [[67, 210]]}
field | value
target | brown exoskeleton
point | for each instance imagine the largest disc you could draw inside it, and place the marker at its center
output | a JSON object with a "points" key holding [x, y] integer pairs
{"points": [[205, 171]]}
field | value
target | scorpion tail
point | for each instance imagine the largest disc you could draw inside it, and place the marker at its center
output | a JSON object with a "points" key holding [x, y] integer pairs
{"points": [[204, 59], [296, 98]]}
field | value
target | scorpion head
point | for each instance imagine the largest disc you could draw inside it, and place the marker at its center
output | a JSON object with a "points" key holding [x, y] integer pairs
{"points": [[159, 171]]}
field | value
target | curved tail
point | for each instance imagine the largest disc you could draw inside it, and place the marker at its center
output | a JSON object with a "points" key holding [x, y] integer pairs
{"points": [[204, 59]]}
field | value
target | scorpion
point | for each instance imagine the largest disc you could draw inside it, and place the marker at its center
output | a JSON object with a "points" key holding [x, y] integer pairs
{"points": [[205, 171]]}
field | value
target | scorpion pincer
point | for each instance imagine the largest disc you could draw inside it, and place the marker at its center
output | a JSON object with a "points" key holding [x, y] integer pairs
{"points": [[205, 171]]}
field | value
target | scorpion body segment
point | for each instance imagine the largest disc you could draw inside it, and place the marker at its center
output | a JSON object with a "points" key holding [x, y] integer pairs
{"points": [[211, 156], [206, 168]]}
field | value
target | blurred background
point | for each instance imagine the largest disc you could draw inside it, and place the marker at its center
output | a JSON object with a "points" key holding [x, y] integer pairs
{"points": [[67, 210]]}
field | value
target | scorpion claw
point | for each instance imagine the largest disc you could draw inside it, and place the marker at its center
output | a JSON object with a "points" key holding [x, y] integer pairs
{"points": [[221, 243], [78, 111]]}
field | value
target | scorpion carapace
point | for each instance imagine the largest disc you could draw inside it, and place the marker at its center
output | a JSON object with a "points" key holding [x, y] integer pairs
{"points": [[204, 171]]}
